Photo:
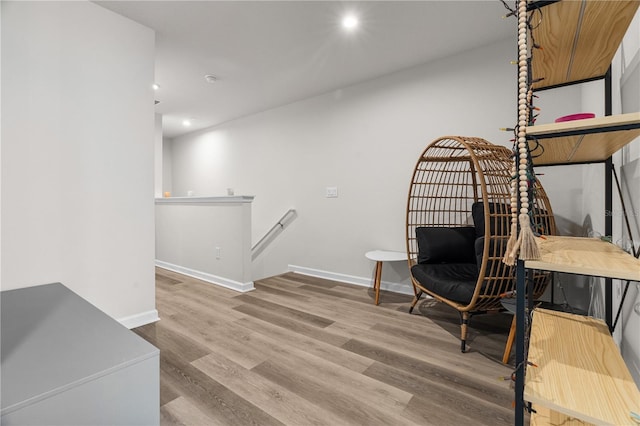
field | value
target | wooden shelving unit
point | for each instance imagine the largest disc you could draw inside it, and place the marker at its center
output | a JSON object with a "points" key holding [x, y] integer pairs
{"points": [[582, 141], [580, 376], [545, 417], [578, 39], [585, 256], [580, 373]]}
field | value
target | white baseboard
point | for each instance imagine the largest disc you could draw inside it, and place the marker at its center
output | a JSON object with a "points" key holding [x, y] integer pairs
{"points": [[140, 319], [351, 279], [210, 278]]}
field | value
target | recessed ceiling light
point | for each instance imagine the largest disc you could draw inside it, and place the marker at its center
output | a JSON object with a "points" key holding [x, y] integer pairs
{"points": [[210, 78], [187, 122], [350, 22], [156, 86]]}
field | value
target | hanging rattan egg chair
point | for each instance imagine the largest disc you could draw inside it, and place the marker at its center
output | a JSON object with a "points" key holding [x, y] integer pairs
{"points": [[458, 224]]}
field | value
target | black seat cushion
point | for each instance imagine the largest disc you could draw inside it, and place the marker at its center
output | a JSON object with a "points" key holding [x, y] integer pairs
{"points": [[495, 268], [500, 222], [446, 245], [497, 248], [453, 281]]}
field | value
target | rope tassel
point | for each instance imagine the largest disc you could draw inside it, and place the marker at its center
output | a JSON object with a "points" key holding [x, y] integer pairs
{"points": [[528, 246], [511, 251]]}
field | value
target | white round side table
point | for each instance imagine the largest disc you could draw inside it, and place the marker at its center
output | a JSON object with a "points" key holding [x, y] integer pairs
{"points": [[380, 256]]}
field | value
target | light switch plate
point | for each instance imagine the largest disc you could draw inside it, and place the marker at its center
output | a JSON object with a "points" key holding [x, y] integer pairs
{"points": [[332, 192]]}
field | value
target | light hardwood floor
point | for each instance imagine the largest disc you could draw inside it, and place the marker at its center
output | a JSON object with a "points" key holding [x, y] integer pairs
{"points": [[302, 351]]}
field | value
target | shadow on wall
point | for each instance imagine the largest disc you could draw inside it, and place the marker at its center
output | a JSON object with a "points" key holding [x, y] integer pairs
{"points": [[576, 290], [627, 344], [568, 227], [630, 180]]}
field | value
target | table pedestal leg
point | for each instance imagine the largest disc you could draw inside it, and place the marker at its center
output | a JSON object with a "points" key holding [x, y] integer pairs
{"points": [[376, 283]]}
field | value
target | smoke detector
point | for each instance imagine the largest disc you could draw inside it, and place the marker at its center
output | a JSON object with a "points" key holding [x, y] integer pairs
{"points": [[210, 78]]}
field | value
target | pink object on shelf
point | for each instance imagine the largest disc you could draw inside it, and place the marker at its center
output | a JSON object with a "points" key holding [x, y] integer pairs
{"points": [[579, 116]]}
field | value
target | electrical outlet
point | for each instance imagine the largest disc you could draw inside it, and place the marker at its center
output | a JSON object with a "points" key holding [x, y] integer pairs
{"points": [[332, 192], [218, 253]]}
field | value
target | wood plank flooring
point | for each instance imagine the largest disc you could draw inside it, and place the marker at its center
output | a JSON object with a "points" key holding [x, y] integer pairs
{"points": [[303, 351]]}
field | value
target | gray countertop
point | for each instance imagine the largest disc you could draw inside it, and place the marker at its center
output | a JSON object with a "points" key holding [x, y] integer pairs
{"points": [[53, 340]]}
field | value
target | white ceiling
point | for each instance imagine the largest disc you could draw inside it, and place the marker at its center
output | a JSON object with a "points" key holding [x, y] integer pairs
{"points": [[270, 53]]}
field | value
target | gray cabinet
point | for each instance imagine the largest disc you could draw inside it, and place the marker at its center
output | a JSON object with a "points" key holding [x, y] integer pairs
{"points": [[65, 362]]}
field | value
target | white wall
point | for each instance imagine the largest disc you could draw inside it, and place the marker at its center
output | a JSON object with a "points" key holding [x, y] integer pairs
{"points": [[166, 166], [364, 139], [77, 154], [158, 156], [208, 238], [1, 146]]}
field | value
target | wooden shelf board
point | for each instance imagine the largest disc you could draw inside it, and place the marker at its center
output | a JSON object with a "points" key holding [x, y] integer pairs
{"points": [[597, 124], [599, 142], [585, 256], [546, 417], [580, 372], [578, 39]]}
